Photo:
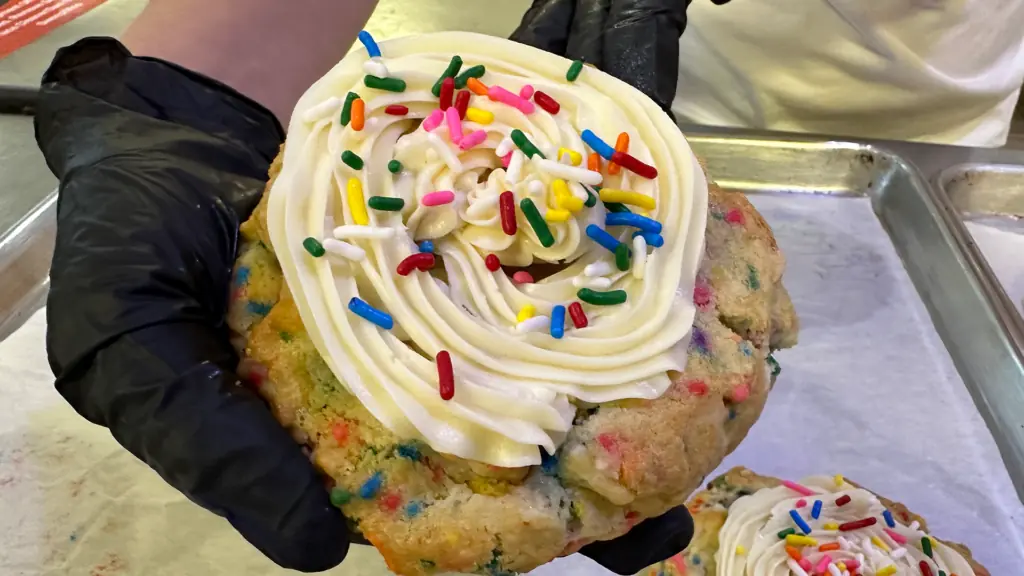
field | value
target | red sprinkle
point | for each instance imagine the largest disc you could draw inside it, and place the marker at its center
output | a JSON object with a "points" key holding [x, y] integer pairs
{"points": [[740, 393], [609, 442], [390, 502], [801, 503], [506, 159], [549, 104], [926, 570], [340, 432], [445, 375], [843, 500], [697, 387], [447, 91], [492, 262], [701, 295], [507, 207], [396, 110], [635, 166], [734, 216], [579, 317], [462, 103], [422, 261], [524, 277], [858, 524]]}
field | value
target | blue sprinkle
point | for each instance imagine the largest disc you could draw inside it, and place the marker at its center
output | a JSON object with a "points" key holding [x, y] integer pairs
{"points": [[599, 235], [816, 509], [426, 246], [409, 451], [364, 310], [653, 240], [558, 321], [370, 488], [695, 559], [242, 276], [699, 340], [598, 145], [73, 537], [732, 413], [370, 44], [799, 521], [747, 351], [413, 509], [548, 463], [644, 223], [888, 519], [258, 308]]}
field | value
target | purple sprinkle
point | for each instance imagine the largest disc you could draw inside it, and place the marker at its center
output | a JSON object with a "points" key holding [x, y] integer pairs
{"points": [[699, 340]]}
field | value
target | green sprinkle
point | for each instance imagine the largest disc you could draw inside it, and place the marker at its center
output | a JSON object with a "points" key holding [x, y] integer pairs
{"points": [[525, 145], [717, 215], [782, 535], [942, 573], [926, 546], [609, 298], [453, 68], [622, 256], [314, 247], [774, 365], [352, 159], [540, 227], [284, 336], [427, 564], [340, 497], [753, 280], [616, 207], [394, 166], [574, 70], [591, 199], [388, 84], [472, 72], [386, 204], [346, 112]]}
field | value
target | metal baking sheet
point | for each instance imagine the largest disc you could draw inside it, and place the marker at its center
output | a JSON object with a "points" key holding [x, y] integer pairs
{"points": [[25, 252]]}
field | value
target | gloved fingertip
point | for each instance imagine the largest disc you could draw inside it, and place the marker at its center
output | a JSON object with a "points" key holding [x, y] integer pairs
{"points": [[649, 542], [586, 37], [546, 25]]}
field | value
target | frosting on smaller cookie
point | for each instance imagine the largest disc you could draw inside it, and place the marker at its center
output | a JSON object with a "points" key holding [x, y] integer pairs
{"points": [[826, 526]]}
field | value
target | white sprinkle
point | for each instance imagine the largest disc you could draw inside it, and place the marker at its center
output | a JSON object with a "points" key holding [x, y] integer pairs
{"points": [[846, 573], [860, 559], [534, 324], [898, 553], [344, 249], [536, 190], [844, 544], [557, 170], [795, 568], [356, 231], [322, 110], [915, 525], [566, 159], [639, 257], [515, 168], [504, 147], [599, 283], [599, 268], [445, 152], [578, 191], [480, 206], [834, 570], [375, 67]]}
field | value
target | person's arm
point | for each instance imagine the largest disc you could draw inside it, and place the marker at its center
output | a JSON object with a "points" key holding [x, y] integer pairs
{"points": [[269, 50]]}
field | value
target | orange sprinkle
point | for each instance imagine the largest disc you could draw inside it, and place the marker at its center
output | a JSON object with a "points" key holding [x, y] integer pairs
{"points": [[621, 145], [340, 432], [794, 553], [594, 162], [358, 114], [829, 546], [477, 87]]}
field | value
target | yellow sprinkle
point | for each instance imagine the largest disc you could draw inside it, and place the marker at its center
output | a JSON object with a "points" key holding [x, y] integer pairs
{"points": [[839, 480], [831, 526], [625, 197], [741, 550], [559, 189], [798, 540], [479, 116], [887, 571], [574, 157], [841, 566], [555, 215], [356, 204], [935, 543], [878, 542], [526, 312]]}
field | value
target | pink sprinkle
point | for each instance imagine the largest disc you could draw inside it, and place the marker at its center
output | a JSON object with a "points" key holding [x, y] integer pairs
{"points": [[433, 121], [454, 125], [801, 503], [522, 277], [798, 488], [851, 564], [499, 94], [677, 560], [506, 159], [740, 393], [609, 442], [822, 566], [734, 216], [473, 139], [701, 295], [697, 387], [441, 197], [805, 564], [526, 92], [896, 536]]}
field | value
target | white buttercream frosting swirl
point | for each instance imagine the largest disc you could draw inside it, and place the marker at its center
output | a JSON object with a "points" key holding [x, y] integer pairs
{"points": [[750, 544], [514, 382]]}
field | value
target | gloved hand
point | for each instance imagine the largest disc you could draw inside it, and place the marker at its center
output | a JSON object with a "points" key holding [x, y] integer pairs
{"points": [[636, 41], [157, 168]]}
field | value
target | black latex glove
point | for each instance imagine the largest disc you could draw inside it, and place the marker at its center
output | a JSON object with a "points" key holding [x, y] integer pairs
{"points": [[157, 168], [636, 41]]}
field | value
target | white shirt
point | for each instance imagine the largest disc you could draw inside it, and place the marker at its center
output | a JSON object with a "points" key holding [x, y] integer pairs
{"points": [[944, 71]]}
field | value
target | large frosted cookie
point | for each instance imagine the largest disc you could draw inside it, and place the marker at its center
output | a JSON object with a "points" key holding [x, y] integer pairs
{"points": [[504, 329], [751, 524]]}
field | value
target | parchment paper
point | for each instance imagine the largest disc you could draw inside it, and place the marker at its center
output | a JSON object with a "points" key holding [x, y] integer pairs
{"points": [[869, 393]]}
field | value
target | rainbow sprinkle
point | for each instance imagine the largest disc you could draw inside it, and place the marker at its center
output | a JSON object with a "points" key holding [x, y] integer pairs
{"points": [[816, 509], [363, 310], [558, 321], [574, 70], [800, 521], [372, 486], [370, 44], [602, 237], [598, 145]]}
